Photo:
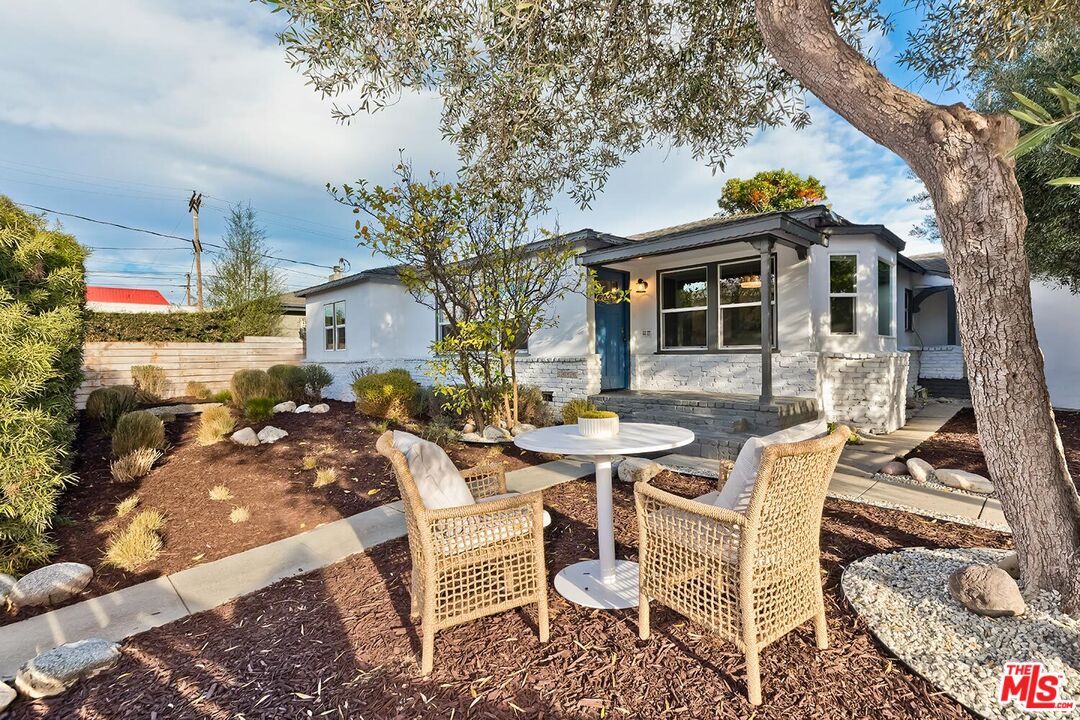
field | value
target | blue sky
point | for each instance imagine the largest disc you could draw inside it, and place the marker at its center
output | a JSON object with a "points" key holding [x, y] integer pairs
{"points": [[118, 115]]}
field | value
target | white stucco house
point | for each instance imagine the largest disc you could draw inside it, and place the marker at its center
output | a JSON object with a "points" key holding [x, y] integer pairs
{"points": [[855, 326]]}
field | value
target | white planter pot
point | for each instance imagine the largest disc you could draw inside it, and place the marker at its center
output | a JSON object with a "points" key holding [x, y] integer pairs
{"points": [[598, 427]]}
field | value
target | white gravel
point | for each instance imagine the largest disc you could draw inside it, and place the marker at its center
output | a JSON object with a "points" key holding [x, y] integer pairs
{"points": [[904, 598]]}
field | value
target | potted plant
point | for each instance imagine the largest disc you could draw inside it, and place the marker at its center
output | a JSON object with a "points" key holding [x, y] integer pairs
{"points": [[598, 424]]}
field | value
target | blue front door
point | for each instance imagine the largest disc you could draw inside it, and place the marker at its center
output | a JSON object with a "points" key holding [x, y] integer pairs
{"points": [[613, 333]]}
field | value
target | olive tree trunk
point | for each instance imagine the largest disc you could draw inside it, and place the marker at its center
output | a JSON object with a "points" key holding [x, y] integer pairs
{"points": [[959, 156]]}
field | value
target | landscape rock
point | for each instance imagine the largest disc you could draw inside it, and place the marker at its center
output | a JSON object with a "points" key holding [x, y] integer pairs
{"points": [[986, 590], [7, 582], [320, 408], [1010, 564], [287, 406], [56, 670], [895, 468], [7, 695], [472, 437], [493, 432], [468, 428], [965, 481], [271, 434], [51, 584], [634, 469], [303, 408], [521, 428], [920, 469], [246, 436]]}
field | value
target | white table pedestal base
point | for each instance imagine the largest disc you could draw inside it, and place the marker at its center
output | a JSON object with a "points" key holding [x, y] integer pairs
{"points": [[581, 583]]}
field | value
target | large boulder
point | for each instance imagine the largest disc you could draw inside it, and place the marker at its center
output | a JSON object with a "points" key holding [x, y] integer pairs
{"points": [[7, 695], [471, 437], [633, 470], [319, 409], [894, 468], [245, 436], [493, 432], [920, 469], [964, 480], [986, 590], [521, 429], [56, 670], [287, 406], [271, 434], [1010, 564], [6, 584], [305, 408], [51, 584]]}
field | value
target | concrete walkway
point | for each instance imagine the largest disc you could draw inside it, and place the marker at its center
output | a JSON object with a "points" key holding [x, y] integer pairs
{"points": [[134, 609]]}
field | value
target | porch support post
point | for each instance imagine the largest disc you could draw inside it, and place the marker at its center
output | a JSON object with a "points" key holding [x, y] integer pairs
{"points": [[765, 248]]}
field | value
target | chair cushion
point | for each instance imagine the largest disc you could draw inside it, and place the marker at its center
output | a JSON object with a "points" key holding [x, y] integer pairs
{"points": [[735, 495], [493, 498], [437, 480]]}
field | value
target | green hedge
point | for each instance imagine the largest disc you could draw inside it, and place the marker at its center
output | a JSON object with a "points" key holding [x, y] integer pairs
{"points": [[211, 326], [42, 295]]}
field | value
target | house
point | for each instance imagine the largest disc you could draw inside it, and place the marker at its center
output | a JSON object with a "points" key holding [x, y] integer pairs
{"points": [[125, 300], [854, 327]]}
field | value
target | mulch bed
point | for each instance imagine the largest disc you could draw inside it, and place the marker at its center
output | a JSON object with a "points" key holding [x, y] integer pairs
{"points": [[956, 444], [268, 480], [338, 643]]}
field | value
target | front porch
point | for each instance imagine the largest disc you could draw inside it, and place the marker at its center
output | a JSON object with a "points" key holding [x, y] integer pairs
{"points": [[721, 422]]}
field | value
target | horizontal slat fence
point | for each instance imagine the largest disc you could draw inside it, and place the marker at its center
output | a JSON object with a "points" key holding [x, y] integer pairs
{"points": [[109, 363]]}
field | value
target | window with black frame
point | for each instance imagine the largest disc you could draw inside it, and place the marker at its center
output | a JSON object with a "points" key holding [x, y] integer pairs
{"points": [[684, 309], [739, 303]]}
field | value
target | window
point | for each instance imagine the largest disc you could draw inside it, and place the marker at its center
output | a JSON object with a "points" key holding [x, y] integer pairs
{"points": [[739, 302], [684, 309], [842, 286], [909, 310], [443, 327], [334, 325], [884, 298]]}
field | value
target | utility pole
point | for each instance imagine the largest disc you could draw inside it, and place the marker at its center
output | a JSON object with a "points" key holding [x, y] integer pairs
{"points": [[187, 287], [193, 207]]}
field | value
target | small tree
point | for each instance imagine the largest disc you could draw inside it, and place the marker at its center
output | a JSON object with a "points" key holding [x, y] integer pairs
{"points": [[769, 191], [243, 281]]}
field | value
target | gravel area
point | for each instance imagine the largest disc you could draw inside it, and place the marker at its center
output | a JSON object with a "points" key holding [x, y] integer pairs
{"points": [[903, 597]]}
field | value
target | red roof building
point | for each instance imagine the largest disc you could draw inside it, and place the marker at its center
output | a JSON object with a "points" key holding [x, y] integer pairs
{"points": [[110, 299]]}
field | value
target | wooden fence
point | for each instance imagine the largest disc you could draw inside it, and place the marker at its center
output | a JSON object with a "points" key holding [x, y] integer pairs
{"points": [[109, 363]]}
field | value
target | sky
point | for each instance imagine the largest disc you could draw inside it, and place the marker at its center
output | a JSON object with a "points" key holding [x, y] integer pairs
{"points": [[119, 115]]}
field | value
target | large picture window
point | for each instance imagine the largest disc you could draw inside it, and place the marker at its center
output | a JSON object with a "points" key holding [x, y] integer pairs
{"points": [[334, 325], [884, 298], [842, 294], [684, 309], [739, 303]]}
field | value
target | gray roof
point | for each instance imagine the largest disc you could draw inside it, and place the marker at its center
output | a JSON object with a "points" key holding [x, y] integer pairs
{"points": [[933, 262], [720, 220], [382, 273]]}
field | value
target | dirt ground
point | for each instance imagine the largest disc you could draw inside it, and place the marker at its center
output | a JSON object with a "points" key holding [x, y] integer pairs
{"points": [[268, 480], [956, 444], [338, 643]]}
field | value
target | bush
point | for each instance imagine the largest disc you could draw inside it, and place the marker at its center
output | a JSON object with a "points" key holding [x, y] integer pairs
{"points": [[42, 292], [134, 465], [391, 395], [259, 408], [212, 326], [137, 544], [137, 430], [247, 384], [325, 476], [214, 424], [199, 390], [572, 409], [291, 379], [117, 401], [221, 396], [532, 408], [316, 377], [151, 383]]}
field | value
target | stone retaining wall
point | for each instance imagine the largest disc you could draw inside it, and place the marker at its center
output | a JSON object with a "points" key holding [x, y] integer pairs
{"points": [[941, 361], [794, 374], [866, 390]]}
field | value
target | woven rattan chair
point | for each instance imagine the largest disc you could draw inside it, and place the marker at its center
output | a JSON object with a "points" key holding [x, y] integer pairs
{"points": [[475, 560], [749, 578]]}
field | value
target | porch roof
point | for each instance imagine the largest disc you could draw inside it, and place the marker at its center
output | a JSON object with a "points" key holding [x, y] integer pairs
{"points": [[781, 227]]}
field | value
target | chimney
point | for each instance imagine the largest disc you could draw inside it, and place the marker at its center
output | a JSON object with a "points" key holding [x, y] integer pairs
{"points": [[337, 274]]}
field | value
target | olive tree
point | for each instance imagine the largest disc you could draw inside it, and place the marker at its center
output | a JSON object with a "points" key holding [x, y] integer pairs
{"points": [[556, 93]]}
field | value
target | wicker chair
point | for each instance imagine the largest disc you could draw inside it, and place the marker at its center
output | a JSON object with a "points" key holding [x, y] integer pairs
{"points": [[749, 578], [475, 560]]}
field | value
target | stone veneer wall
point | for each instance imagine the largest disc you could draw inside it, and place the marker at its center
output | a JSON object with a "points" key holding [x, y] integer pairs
{"points": [[866, 390], [941, 361], [794, 374]]}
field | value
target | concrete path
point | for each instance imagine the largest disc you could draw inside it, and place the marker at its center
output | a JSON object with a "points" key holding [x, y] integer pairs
{"points": [[134, 609]]}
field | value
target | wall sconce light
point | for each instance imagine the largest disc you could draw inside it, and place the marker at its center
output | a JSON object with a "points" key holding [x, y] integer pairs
{"points": [[642, 286]]}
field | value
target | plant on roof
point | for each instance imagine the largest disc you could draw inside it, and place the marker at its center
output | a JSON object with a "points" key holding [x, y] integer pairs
{"points": [[770, 190]]}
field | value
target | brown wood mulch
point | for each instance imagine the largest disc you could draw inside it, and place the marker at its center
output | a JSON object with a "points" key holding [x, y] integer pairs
{"points": [[268, 480], [956, 443], [338, 643]]}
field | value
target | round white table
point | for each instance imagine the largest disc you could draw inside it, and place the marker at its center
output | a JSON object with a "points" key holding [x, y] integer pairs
{"points": [[604, 583]]}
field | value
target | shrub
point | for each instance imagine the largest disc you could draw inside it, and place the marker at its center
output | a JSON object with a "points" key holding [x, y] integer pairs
{"points": [[221, 396], [42, 291], [291, 380], [151, 383], [119, 401], [247, 384], [572, 409], [239, 515], [440, 431], [325, 476], [391, 395], [214, 424], [220, 493], [136, 430], [137, 544], [259, 408], [199, 390], [309, 462], [532, 408], [316, 378], [134, 465], [95, 402], [210, 326], [127, 505]]}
